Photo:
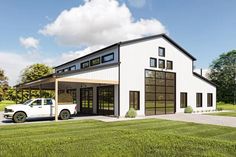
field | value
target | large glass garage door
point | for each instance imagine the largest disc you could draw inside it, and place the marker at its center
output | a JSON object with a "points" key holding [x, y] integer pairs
{"points": [[105, 100], [86, 100], [159, 92]]}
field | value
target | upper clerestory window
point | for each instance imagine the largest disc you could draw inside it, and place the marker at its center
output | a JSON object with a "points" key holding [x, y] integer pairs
{"points": [[95, 61], [84, 65], [107, 58], [161, 51]]}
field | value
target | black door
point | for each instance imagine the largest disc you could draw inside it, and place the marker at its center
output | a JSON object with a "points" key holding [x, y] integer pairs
{"points": [[159, 92], [86, 100], [105, 100]]}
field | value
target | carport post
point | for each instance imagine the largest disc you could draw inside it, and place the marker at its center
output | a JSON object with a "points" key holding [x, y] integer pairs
{"points": [[56, 100], [30, 93], [22, 99], [40, 91], [16, 95]]}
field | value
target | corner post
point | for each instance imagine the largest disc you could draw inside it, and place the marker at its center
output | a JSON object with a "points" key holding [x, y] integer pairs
{"points": [[22, 94], [56, 100]]}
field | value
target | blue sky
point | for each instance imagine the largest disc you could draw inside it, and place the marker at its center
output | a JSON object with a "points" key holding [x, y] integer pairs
{"points": [[205, 28]]}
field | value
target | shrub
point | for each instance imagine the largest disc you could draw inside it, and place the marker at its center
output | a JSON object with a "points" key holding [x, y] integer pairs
{"points": [[131, 113], [188, 109], [219, 109]]}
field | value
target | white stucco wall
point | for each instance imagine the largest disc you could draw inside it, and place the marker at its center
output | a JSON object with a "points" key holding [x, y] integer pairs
{"points": [[135, 58]]}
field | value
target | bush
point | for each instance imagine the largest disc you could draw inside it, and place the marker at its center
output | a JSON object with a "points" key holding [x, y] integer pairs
{"points": [[219, 109], [131, 113], [188, 109]]}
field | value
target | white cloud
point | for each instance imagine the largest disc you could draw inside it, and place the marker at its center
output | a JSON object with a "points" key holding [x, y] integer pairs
{"points": [[137, 3], [13, 64], [99, 22], [29, 42]]}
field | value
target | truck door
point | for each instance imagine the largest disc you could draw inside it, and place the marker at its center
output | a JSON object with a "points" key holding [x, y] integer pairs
{"points": [[48, 107], [36, 108]]}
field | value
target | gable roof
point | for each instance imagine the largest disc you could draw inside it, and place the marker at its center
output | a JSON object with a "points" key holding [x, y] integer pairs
{"points": [[203, 78], [131, 42]]}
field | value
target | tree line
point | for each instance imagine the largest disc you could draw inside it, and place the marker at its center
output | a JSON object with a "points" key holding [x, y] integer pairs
{"points": [[222, 73]]}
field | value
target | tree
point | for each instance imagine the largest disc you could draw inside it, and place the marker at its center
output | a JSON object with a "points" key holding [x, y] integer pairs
{"points": [[223, 74], [3, 84], [34, 72]]}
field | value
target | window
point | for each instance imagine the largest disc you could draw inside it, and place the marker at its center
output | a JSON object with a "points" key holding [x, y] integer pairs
{"points": [[183, 100], [59, 71], [95, 61], [134, 100], [153, 62], [108, 58], [169, 65], [72, 68], [36, 103], [65, 70], [209, 99], [199, 99], [84, 65], [47, 102], [161, 64], [161, 52]]}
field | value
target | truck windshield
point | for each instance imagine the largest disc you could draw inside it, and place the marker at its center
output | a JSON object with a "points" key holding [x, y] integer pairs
{"points": [[27, 102]]}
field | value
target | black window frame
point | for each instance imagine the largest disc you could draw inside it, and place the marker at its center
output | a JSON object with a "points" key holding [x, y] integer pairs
{"points": [[155, 62], [93, 64], [81, 65], [168, 61], [70, 68], [198, 100], [110, 54], [185, 96], [160, 64], [59, 71], [164, 51], [209, 102], [133, 104]]}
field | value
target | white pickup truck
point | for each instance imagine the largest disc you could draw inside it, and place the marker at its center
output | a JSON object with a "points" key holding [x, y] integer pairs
{"points": [[40, 107]]}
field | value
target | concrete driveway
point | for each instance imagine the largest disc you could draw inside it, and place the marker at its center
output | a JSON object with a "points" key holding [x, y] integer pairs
{"points": [[202, 119], [195, 118]]}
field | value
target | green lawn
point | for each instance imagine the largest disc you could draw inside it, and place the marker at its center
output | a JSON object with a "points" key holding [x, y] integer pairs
{"points": [[230, 114], [5, 103], [226, 106], [150, 137]]}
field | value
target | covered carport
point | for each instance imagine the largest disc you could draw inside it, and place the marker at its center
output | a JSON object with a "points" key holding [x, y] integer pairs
{"points": [[56, 83]]}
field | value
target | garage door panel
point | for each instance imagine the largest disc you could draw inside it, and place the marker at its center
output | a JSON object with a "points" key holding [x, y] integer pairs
{"points": [[159, 92]]}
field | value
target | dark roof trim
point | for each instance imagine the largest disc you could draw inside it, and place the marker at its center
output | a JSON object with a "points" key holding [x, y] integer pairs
{"points": [[203, 78], [156, 36], [44, 77], [133, 41], [85, 69], [90, 54]]}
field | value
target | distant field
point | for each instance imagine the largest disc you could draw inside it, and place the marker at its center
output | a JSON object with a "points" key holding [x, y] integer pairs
{"points": [[5, 103], [149, 137]]}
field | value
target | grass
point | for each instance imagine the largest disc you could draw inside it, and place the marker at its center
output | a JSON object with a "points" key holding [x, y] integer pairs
{"points": [[230, 114], [149, 137], [225, 106], [5, 103]]}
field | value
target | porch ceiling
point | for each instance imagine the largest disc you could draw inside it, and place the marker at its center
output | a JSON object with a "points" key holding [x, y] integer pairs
{"points": [[48, 83]]}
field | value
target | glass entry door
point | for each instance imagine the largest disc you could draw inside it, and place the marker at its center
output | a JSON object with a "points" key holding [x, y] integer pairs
{"points": [[105, 100], [86, 100]]}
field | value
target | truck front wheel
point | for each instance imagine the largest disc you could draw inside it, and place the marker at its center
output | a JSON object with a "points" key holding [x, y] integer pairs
{"points": [[64, 115], [19, 117]]}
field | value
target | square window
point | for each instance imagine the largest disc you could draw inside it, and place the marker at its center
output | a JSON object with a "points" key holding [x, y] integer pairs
{"points": [[153, 62], [161, 64], [161, 52], [169, 65]]}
